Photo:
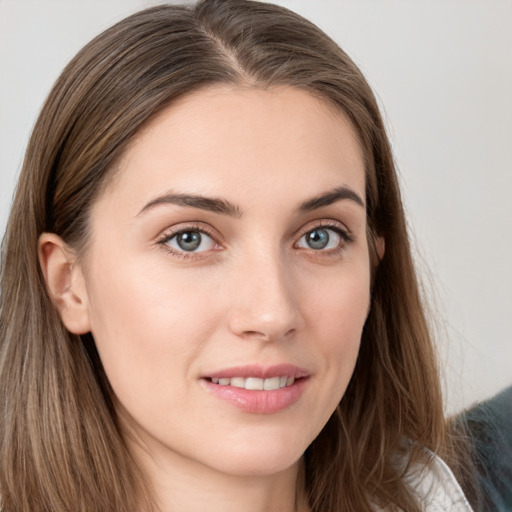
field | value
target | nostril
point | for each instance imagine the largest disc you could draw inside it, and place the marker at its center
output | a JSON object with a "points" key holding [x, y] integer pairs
{"points": [[268, 334], [256, 334]]}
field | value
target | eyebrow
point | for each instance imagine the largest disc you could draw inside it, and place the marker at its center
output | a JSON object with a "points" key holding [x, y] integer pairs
{"points": [[222, 206], [211, 204], [331, 197]]}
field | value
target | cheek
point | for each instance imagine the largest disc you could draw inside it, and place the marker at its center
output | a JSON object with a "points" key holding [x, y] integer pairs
{"points": [[341, 303], [340, 313], [146, 327]]}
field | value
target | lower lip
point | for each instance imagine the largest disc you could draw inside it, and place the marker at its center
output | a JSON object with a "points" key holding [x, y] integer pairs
{"points": [[258, 402]]}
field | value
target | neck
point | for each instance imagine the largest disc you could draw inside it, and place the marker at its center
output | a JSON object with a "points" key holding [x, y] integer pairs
{"points": [[179, 484]]}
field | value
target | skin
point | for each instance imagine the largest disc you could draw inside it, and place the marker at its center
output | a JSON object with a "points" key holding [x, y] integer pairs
{"points": [[255, 292]]}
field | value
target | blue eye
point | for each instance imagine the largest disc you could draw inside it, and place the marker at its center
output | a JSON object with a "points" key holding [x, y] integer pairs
{"points": [[320, 239], [190, 241]]}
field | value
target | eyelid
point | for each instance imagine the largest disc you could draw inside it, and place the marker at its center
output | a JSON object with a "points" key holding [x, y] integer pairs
{"points": [[183, 227], [336, 225]]}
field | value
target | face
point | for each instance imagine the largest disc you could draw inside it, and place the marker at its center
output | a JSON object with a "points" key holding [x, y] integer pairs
{"points": [[228, 277]]}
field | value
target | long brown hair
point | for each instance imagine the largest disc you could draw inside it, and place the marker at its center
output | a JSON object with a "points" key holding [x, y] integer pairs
{"points": [[61, 444]]}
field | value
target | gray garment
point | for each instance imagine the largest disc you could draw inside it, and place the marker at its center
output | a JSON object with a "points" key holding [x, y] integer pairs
{"points": [[490, 427]]}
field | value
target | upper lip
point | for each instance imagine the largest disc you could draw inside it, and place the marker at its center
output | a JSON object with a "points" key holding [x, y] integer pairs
{"points": [[259, 371]]}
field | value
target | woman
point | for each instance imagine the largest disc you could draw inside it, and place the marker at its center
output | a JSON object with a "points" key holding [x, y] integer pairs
{"points": [[208, 298]]}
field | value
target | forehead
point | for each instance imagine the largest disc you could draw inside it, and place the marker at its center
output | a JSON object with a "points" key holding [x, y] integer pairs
{"points": [[225, 139]]}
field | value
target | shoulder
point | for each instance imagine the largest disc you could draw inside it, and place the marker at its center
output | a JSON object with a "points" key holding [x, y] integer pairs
{"points": [[436, 488]]}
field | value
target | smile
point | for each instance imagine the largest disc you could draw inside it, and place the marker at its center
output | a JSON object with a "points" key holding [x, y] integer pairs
{"points": [[255, 383], [258, 389]]}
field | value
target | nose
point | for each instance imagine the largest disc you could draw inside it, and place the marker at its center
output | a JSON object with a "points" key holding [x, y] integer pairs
{"points": [[265, 304]]}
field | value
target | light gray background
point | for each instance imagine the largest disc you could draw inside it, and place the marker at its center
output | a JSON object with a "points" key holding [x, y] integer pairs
{"points": [[442, 70]]}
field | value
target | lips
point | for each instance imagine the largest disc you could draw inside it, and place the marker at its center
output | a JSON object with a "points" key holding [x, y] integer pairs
{"points": [[257, 389], [259, 372]]}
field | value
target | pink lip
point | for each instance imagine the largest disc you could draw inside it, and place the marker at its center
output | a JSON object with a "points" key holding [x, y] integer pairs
{"points": [[259, 402], [261, 372]]}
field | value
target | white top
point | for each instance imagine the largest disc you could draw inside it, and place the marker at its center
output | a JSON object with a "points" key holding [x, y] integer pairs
{"points": [[437, 489]]}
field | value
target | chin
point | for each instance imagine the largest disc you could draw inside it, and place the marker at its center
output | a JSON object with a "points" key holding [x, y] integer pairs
{"points": [[257, 467], [261, 456]]}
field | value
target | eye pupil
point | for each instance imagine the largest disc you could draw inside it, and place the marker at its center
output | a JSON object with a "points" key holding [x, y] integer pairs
{"points": [[189, 240], [318, 238]]}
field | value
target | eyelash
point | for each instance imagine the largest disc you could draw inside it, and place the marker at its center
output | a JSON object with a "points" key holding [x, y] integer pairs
{"points": [[339, 229]]}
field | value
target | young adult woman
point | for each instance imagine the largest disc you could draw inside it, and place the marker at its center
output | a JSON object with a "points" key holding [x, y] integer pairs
{"points": [[208, 296]]}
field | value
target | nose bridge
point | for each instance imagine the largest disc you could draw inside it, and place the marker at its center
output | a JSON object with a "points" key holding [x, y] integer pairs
{"points": [[265, 304]]}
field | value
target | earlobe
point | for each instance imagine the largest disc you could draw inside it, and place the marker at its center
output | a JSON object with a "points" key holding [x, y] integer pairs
{"points": [[65, 282]]}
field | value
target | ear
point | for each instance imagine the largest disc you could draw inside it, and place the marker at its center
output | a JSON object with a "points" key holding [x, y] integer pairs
{"points": [[65, 282], [380, 247]]}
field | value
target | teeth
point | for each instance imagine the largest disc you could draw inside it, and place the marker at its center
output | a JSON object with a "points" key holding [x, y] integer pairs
{"points": [[270, 384], [238, 382], [253, 383], [256, 384]]}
